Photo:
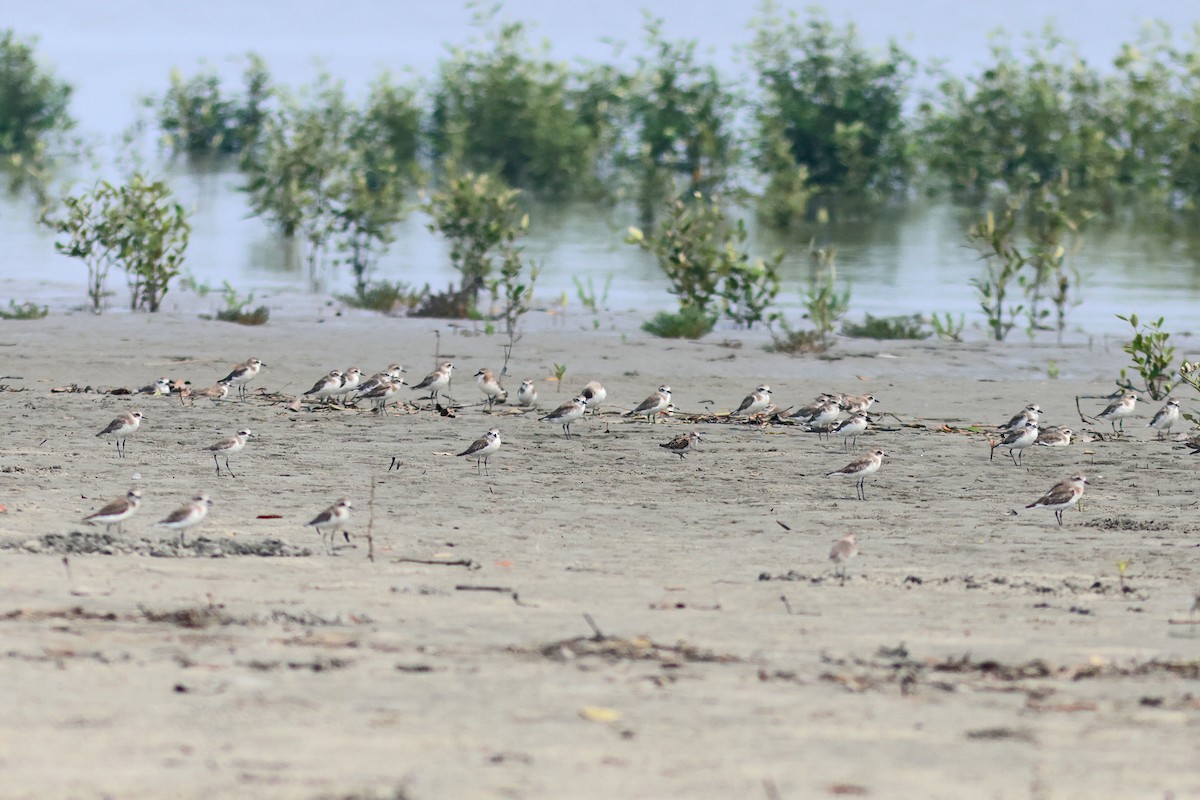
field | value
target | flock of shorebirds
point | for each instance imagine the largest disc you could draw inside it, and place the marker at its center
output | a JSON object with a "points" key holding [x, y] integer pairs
{"points": [[844, 416]]}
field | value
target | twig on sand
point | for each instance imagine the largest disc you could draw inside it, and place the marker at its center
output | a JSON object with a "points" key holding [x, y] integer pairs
{"points": [[469, 563], [371, 523], [595, 628]]}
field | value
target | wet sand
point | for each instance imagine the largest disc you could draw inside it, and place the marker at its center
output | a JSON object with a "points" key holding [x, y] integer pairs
{"points": [[976, 649]]}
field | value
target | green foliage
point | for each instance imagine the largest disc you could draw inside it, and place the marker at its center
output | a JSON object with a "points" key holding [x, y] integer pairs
{"points": [[792, 341], [946, 327], [496, 109], [690, 322], [1153, 358], [1022, 122], [333, 175], [589, 298], [190, 283], [560, 370], [1041, 270], [677, 120], [293, 174], [513, 292], [24, 311], [33, 111], [829, 119], [386, 296], [1002, 264], [701, 253], [823, 305], [196, 118], [151, 236], [236, 308], [911, 327], [381, 167], [88, 224], [480, 218], [135, 226]]}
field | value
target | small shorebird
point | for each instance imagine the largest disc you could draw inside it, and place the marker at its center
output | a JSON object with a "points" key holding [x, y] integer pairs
{"points": [[1054, 437], [754, 403], [117, 511], [595, 394], [850, 428], [842, 551], [1016, 441], [1029, 413], [436, 381], [527, 395], [382, 393], [392, 373], [860, 469], [121, 427], [227, 447], [330, 521], [160, 388], [493, 392], [1119, 409], [567, 413], [1166, 417], [242, 374], [859, 404], [326, 387], [653, 404], [819, 416], [186, 516], [1061, 496], [483, 448], [218, 392], [351, 379], [682, 443]]}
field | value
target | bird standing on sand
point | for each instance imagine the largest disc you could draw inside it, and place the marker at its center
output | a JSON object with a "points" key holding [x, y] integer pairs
{"points": [[842, 551], [567, 413], [121, 427], [242, 374], [1029, 413], [860, 469], [682, 443], [527, 395], [653, 405], [1061, 496], [436, 381], [1016, 441], [754, 403], [850, 428], [1166, 417], [1119, 409], [858, 404], [493, 392], [595, 394], [227, 447], [117, 511], [330, 521], [186, 516], [326, 387], [483, 448]]}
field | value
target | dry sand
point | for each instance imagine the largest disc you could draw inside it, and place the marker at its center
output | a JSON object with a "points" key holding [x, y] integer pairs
{"points": [[976, 650]]}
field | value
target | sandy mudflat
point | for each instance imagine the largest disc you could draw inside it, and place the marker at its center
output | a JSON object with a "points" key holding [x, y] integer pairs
{"points": [[977, 649]]}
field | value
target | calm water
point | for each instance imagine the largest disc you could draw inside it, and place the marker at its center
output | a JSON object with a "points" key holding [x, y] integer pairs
{"points": [[902, 262]]}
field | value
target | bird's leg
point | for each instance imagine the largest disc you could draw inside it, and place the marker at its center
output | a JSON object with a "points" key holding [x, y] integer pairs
{"points": [[217, 464], [227, 469]]}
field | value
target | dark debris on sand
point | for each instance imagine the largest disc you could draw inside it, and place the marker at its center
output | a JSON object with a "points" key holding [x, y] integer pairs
{"points": [[96, 543]]}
